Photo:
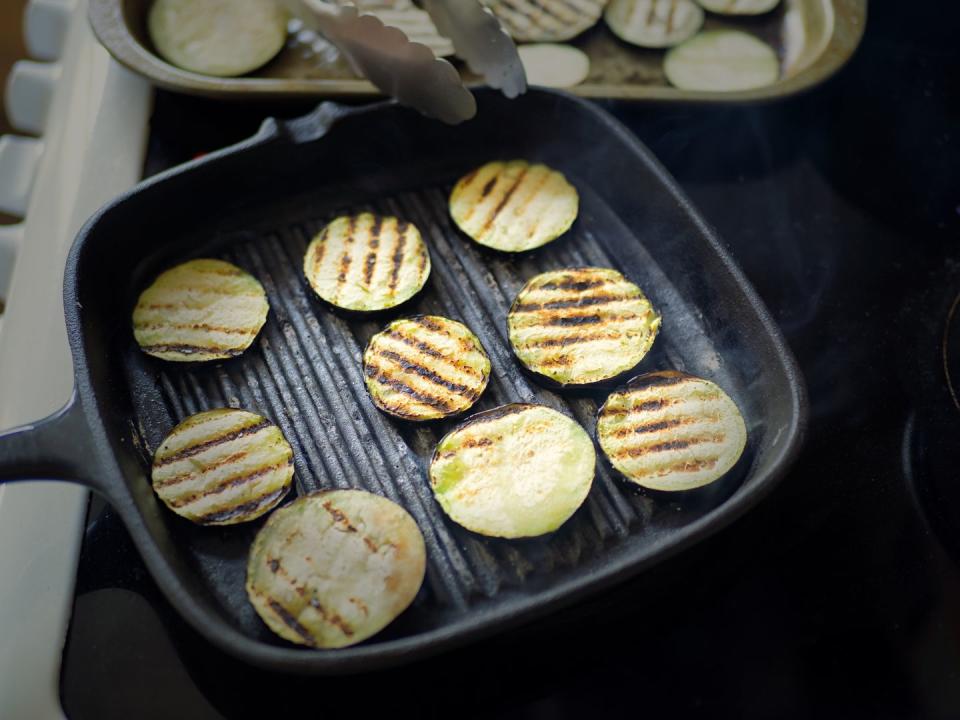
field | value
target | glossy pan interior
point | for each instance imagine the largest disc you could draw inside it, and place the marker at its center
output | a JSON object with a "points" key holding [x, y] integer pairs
{"points": [[257, 204], [813, 39]]}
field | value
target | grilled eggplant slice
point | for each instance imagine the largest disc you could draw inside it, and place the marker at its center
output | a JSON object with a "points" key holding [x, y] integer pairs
{"points": [[582, 325], [200, 310], [217, 37], [425, 368], [721, 61], [671, 431], [331, 569], [515, 471], [514, 206], [552, 65], [546, 20], [739, 7], [654, 23], [223, 467], [367, 262]]}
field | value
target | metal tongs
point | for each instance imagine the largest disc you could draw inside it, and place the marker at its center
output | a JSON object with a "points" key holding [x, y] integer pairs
{"points": [[410, 71]]}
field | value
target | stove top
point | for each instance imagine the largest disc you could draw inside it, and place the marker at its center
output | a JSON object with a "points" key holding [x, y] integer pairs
{"points": [[839, 595]]}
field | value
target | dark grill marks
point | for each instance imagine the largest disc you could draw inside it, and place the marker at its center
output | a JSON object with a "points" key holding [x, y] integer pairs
{"points": [[652, 13], [398, 255], [230, 482], [588, 301], [673, 7], [489, 186], [185, 349], [686, 466], [244, 509], [428, 349], [211, 442], [571, 320], [571, 340], [374, 246], [345, 259], [409, 365], [651, 427], [379, 375], [572, 283], [192, 474], [476, 442], [339, 517], [321, 250], [505, 199], [291, 622], [667, 445], [194, 326], [659, 380]]}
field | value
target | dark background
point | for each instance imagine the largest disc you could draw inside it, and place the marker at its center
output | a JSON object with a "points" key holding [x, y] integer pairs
{"points": [[837, 596]]}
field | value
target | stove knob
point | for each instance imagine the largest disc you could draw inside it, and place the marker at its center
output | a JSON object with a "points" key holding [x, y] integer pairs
{"points": [[19, 158], [45, 25], [30, 87]]}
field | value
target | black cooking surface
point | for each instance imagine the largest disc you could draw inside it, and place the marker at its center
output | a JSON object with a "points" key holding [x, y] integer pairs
{"points": [[837, 596]]}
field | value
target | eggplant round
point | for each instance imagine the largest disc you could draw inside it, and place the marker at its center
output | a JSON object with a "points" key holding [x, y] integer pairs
{"points": [[332, 569], [653, 23], [516, 471], [514, 206], [425, 368], [217, 37], [721, 61], [367, 263], [546, 20], [581, 326], [671, 431], [223, 467], [201, 310]]}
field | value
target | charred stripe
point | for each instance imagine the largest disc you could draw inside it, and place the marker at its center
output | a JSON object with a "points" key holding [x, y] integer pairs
{"points": [[667, 445], [177, 479], [374, 246], [504, 199], [375, 373], [398, 254], [685, 466], [222, 514], [588, 301], [570, 340], [211, 442], [433, 352], [195, 326], [233, 481], [409, 365], [291, 622]]}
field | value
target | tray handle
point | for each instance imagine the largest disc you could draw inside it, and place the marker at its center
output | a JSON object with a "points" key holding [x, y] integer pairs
{"points": [[58, 447]]}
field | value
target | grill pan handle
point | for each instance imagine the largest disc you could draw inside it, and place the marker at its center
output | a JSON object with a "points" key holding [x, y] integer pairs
{"points": [[316, 123], [59, 447]]}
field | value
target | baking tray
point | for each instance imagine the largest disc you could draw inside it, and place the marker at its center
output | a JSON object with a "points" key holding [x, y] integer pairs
{"points": [[258, 204], [814, 38]]}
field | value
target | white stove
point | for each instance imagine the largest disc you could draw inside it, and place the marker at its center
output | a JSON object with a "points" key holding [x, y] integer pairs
{"points": [[85, 125]]}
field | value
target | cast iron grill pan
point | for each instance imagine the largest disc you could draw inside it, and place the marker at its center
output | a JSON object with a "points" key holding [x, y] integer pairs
{"points": [[258, 206]]}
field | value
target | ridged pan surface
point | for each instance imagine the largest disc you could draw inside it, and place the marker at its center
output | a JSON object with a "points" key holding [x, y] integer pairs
{"points": [[304, 372]]}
